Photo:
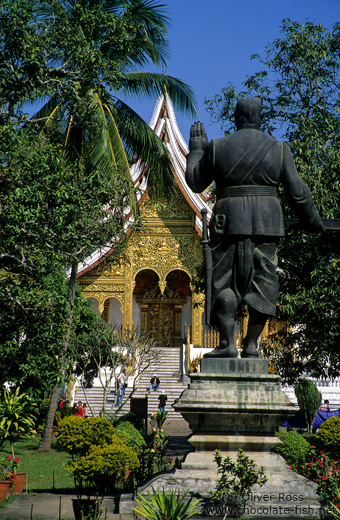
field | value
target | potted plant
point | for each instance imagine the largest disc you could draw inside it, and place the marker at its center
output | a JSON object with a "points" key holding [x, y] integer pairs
{"points": [[235, 481], [5, 478], [99, 458], [17, 479], [96, 472]]}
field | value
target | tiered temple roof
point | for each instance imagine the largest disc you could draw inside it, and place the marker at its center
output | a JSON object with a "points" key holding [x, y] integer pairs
{"points": [[164, 124]]}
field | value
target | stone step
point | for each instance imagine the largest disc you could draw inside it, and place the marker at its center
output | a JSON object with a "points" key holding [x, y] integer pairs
{"points": [[167, 369], [95, 400]]}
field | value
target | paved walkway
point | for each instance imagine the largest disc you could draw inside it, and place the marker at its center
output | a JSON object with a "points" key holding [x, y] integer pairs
{"points": [[50, 506]]}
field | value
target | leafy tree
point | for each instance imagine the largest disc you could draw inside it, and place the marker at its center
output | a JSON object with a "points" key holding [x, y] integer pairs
{"points": [[52, 213], [90, 53], [299, 87], [79, 55]]}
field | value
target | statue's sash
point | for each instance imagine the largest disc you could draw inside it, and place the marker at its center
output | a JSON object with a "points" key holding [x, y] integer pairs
{"points": [[252, 157]]}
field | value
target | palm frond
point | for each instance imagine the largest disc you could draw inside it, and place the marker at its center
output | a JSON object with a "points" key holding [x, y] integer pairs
{"points": [[48, 114], [149, 84], [105, 149], [153, 23], [142, 143], [150, 22]]}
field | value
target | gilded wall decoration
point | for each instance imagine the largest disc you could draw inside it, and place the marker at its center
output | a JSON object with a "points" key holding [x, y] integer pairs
{"points": [[109, 288], [166, 242], [177, 208]]}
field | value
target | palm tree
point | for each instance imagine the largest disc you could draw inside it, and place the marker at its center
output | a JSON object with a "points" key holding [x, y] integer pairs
{"points": [[97, 45], [93, 51]]}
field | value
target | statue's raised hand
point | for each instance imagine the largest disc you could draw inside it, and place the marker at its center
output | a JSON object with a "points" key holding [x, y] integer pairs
{"points": [[198, 138]]}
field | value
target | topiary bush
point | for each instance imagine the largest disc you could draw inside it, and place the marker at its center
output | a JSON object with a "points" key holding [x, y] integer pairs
{"points": [[103, 465], [130, 436], [294, 448], [309, 400], [77, 435], [329, 436]]}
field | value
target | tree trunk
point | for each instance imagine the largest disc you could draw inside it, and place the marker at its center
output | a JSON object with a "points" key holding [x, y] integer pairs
{"points": [[45, 444]]}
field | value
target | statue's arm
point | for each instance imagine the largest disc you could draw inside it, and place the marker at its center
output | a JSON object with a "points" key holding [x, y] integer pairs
{"points": [[298, 194], [198, 173]]}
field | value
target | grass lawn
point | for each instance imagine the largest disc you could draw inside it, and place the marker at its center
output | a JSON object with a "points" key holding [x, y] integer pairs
{"points": [[45, 471]]}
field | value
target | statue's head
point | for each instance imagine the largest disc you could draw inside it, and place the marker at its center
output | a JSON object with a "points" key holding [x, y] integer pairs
{"points": [[248, 112]]}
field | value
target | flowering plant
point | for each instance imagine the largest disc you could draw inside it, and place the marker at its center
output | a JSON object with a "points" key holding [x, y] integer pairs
{"points": [[325, 471], [335, 506], [6, 468], [158, 419], [14, 464], [152, 458]]}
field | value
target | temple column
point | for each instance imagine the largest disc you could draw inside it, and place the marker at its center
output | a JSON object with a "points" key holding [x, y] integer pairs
{"points": [[101, 308], [106, 311], [196, 322], [127, 305]]}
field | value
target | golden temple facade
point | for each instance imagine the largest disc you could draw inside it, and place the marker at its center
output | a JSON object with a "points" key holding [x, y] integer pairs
{"points": [[151, 286]]}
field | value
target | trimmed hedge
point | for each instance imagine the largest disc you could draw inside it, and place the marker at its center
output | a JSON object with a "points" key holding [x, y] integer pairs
{"points": [[329, 436], [77, 435], [130, 436], [294, 448], [112, 460]]}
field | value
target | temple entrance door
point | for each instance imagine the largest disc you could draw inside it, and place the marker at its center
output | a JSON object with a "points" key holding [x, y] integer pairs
{"points": [[161, 312], [163, 322]]}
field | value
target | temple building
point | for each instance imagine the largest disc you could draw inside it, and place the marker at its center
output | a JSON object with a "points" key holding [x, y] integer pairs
{"points": [[151, 285]]}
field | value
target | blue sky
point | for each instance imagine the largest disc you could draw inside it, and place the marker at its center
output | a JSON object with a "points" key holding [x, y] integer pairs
{"points": [[211, 42]]}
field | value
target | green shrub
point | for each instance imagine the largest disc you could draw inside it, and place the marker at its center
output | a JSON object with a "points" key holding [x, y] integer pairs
{"points": [[43, 407], [329, 436], [104, 464], [77, 435], [67, 411], [130, 436], [294, 448], [132, 418], [236, 478]]}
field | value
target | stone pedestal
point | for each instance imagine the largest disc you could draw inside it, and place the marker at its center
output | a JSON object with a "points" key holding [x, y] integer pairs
{"points": [[233, 404]]}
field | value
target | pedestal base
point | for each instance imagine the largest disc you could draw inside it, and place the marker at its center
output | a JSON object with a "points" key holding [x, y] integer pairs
{"points": [[234, 397], [286, 495], [208, 442]]}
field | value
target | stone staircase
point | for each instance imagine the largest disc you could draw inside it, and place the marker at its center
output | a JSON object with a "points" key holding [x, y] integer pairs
{"points": [[167, 370]]}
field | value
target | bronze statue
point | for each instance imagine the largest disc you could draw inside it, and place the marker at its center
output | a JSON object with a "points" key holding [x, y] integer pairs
{"points": [[247, 220]]}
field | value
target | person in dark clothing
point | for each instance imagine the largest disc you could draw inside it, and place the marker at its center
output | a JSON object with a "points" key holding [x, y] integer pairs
{"points": [[162, 401], [154, 383], [247, 222]]}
